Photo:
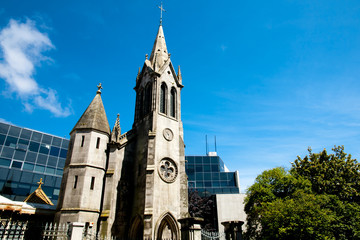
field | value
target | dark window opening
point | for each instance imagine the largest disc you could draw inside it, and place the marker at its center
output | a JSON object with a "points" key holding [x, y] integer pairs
{"points": [[163, 98], [75, 181], [147, 101], [98, 143], [141, 106], [92, 183], [82, 140], [173, 103]]}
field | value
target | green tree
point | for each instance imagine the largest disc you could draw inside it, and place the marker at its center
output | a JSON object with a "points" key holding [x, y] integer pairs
{"points": [[336, 173], [318, 198]]}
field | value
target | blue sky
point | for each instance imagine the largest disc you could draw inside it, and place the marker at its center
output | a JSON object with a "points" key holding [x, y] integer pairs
{"points": [[268, 78]]}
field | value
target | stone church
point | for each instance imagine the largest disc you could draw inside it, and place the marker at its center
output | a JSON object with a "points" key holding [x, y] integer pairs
{"points": [[131, 185]]}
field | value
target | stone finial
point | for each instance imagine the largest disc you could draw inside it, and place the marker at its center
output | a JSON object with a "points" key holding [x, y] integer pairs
{"points": [[99, 88], [146, 56]]}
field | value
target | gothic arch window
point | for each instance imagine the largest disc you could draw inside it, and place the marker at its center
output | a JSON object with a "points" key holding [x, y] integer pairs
{"points": [[147, 100], [173, 103], [163, 94]]}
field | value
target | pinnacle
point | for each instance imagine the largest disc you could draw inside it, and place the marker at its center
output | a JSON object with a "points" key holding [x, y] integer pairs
{"points": [[116, 132]]}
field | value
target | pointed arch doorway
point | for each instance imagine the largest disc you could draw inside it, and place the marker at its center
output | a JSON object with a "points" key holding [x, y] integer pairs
{"points": [[167, 228]]}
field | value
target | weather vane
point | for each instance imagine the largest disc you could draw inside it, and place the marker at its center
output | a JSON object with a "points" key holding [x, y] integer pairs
{"points": [[161, 11]]}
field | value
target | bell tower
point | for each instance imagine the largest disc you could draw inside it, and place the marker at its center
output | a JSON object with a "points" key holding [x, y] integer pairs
{"points": [[160, 182]]}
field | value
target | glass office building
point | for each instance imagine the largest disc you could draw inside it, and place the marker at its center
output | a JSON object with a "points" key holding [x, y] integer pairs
{"points": [[25, 157], [208, 175]]}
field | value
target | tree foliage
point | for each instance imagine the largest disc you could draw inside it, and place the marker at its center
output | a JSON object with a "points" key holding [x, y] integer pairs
{"points": [[203, 207], [318, 198], [336, 174]]}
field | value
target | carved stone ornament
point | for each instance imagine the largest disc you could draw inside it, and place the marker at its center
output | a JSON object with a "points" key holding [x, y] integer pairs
{"points": [[168, 134], [168, 170]]}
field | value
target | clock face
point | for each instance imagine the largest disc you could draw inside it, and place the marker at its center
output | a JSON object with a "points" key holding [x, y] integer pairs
{"points": [[168, 134]]}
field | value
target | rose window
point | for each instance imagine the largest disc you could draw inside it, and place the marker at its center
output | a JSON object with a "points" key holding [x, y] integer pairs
{"points": [[168, 170]]}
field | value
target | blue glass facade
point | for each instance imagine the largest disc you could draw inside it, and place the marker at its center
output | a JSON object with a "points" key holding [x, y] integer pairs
{"points": [[207, 175], [25, 157]]}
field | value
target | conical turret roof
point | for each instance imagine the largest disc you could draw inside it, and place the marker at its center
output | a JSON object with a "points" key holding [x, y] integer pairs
{"points": [[94, 116], [159, 54]]}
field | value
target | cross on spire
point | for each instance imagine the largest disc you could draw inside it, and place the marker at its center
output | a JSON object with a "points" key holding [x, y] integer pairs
{"points": [[161, 11]]}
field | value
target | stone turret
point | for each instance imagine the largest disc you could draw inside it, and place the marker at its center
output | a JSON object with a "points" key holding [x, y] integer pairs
{"points": [[82, 183]]}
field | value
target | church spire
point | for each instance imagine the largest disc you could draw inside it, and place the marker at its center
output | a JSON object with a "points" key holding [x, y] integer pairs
{"points": [[159, 54]]}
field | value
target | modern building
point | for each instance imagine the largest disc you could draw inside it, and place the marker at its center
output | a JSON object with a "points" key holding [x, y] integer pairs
{"points": [[208, 175], [218, 188], [26, 156]]}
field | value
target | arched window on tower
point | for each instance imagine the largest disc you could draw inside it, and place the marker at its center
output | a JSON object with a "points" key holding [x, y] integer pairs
{"points": [[147, 100], [163, 93], [173, 103]]}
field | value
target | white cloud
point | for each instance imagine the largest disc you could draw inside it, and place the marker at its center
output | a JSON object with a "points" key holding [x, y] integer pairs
{"points": [[22, 45], [50, 102]]}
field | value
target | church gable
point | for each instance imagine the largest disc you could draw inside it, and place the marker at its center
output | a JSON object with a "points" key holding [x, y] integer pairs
{"points": [[168, 68], [38, 196]]}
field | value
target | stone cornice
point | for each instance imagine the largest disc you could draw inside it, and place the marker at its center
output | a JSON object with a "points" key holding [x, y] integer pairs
{"points": [[79, 209]]}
